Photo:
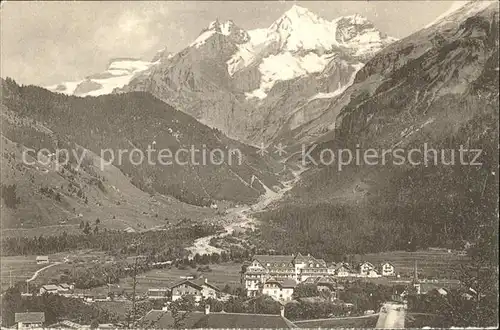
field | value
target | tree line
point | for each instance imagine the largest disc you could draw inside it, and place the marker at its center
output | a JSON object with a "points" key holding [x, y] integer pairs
{"points": [[113, 241]]}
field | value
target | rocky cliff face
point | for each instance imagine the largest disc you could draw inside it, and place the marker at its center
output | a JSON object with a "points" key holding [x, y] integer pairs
{"points": [[437, 87], [255, 84]]}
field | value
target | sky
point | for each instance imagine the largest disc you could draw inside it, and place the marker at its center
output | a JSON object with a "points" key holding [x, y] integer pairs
{"points": [[45, 43]]}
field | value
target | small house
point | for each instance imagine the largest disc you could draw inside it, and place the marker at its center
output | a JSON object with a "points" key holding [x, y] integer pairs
{"points": [[186, 288], [65, 287], [50, 289], [29, 320], [281, 291], [42, 260], [367, 269], [387, 269], [342, 270]]}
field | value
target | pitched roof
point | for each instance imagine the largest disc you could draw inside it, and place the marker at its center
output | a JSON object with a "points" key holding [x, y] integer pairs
{"points": [[343, 265], [302, 258], [164, 320], [30, 317], [310, 280], [50, 287], [188, 282], [242, 320], [326, 280], [201, 282], [284, 283], [66, 324], [321, 280]]}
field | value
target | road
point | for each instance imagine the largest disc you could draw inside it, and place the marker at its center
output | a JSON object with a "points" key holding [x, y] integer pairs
{"points": [[41, 270], [391, 316]]}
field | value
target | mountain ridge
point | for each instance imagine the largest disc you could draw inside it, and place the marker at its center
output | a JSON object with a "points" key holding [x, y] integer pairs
{"points": [[230, 78], [437, 87]]}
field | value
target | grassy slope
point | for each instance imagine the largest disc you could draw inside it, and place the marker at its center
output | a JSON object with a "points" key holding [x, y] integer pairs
{"points": [[136, 120], [116, 201]]}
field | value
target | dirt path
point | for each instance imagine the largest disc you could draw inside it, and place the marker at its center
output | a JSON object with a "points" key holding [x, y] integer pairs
{"points": [[35, 275]]}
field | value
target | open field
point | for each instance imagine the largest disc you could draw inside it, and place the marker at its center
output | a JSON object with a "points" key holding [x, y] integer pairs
{"points": [[431, 263], [348, 322], [434, 263], [21, 268], [221, 274]]}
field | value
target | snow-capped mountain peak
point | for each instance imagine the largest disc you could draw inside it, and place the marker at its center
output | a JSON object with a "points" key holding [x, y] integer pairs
{"points": [[224, 28], [356, 19], [227, 28], [301, 29], [119, 73], [298, 14]]}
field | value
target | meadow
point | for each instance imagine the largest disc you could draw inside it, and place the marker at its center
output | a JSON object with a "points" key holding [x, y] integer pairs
{"points": [[220, 275], [431, 263]]}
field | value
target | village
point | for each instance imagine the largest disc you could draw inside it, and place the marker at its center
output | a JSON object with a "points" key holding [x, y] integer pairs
{"points": [[281, 278]]}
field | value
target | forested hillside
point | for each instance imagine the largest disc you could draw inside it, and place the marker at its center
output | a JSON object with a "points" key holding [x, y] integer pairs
{"points": [[438, 87]]}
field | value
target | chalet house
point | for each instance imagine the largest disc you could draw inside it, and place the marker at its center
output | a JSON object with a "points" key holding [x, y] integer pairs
{"points": [[160, 319], [50, 289], [208, 290], [66, 288], [196, 288], [366, 269], [386, 269], [62, 289], [307, 266], [158, 293], [186, 288], [323, 283], [343, 270], [281, 291], [280, 267], [29, 320], [42, 260]]}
